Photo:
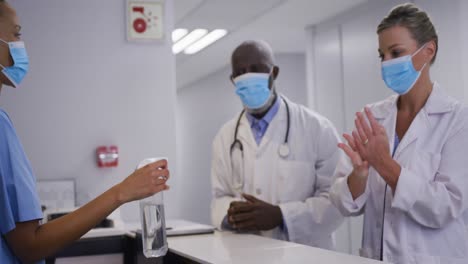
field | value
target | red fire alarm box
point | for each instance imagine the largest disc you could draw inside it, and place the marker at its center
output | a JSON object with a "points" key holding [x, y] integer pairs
{"points": [[107, 156]]}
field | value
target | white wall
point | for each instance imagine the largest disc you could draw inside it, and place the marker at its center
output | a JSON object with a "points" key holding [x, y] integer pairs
{"points": [[87, 87], [345, 70], [449, 22], [203, 108], [463, 46]]}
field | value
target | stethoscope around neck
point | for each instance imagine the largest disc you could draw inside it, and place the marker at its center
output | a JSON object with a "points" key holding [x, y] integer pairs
{"points": [[283, 150]]}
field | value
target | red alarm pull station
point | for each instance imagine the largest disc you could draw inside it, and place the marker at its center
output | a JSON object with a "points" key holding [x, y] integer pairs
{"points": [[107, 156]]}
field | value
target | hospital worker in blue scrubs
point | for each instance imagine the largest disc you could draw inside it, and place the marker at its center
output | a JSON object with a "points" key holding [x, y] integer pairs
{"points": [[23, 239]]}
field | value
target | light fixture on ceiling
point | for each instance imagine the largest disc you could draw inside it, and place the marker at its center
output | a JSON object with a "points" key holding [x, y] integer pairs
{"points": [[179, 33], [188, 39], [205, 41]]}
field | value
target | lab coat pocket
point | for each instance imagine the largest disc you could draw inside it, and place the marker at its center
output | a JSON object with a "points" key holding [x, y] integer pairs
{"points": [[295, 180]]}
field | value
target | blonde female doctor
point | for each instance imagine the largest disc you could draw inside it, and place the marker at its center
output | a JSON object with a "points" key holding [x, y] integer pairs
{"points": [[408, 173]]}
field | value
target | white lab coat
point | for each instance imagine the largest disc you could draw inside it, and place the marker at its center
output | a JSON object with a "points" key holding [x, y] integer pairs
{"points": [[299, 184], [423, 220]]}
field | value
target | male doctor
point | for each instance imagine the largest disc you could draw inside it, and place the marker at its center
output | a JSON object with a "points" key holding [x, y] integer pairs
{"points": [[272, 164]]}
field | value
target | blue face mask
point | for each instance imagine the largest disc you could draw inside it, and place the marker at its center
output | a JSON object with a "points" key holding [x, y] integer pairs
{"points": [[399, 74], [253, 89], [20, 67]]}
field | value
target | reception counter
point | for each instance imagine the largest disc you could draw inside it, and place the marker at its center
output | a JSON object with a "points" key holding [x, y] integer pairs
{"points": [[224, 247], [218, 247]]}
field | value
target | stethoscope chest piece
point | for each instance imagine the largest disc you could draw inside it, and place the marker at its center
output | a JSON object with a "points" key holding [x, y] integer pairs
{"points": [[283, 150]]}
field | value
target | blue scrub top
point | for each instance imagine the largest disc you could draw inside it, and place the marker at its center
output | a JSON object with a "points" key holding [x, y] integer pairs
{"points": [[19, 201]]}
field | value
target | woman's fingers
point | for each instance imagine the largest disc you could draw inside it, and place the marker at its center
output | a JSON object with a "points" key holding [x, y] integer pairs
{"points": [[145, 182], [374, 124], [364, 125], [154, 176], [356, 137], [353, 156], [358, 142], [159, 180], [360, 130], [350, 141], [161, 174]]}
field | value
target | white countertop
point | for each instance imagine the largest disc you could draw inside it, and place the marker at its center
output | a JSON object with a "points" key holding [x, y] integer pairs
{"points": [[226, 247], [105, 232], [176, 227]]}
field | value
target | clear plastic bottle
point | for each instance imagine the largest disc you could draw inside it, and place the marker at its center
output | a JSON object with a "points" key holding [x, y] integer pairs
{"points": [[153, 222]]}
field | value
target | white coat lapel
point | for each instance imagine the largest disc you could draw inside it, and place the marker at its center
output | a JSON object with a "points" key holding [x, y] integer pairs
{"points": [[249, 151], [245, 134], [276, 127], [437, 103], [419, 126], [386, 115]]}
